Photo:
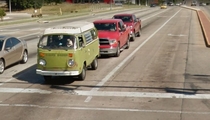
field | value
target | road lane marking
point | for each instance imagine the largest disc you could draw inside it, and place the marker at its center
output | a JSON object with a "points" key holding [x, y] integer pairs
{"points": [[152, 16], [104, 109], [180, 35], [9, 30], [143, 95], [24, 90], [6, 81], [188, 95], [109, 75]]}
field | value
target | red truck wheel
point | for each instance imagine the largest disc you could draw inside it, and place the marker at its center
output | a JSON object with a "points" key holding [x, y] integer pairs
{"points": [[117, 54], [133, 37], [139, 32], [128, 43]]}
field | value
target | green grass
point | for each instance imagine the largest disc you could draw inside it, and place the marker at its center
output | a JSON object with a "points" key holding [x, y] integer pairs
{"points": [[53, 12]]}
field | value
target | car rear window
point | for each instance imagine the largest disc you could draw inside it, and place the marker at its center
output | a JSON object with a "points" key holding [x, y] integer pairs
{"points": [[106, 26], [124, 18]]}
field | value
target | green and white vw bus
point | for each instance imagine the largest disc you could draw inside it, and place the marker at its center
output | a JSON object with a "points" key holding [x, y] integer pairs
{"points": [[67, 50]]}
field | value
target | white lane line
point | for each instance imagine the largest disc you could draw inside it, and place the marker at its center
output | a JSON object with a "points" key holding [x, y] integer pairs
{"points": [[152, 16], [24, 90], [30, 35], [109, 75], [104, 109], [180, 35], [6, 81], [143, 95], [8, 30]]}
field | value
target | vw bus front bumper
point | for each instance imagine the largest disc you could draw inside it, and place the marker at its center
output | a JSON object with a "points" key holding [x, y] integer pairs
{"points": [[57, 73]]}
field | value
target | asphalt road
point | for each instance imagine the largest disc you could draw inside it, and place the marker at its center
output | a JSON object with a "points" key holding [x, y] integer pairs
{"points": [[164, 75]]}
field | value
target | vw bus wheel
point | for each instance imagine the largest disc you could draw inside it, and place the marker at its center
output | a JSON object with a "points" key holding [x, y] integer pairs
{"points": [[25, 57], [127, 44], [47, 79], [94, 64], [82, 75], [2, 66], [117, 54]]}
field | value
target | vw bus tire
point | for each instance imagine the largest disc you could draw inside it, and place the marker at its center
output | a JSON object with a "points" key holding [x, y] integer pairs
{"points": [[127, 44], [25, 57], [2, 66], [117, 54], [94, 64], [47, 79], [82, 75]]}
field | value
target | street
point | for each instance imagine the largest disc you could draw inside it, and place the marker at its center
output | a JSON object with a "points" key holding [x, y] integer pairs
{"points": [[164, 75]]}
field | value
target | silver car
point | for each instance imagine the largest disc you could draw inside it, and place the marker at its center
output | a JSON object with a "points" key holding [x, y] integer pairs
{"points": [[12, 50]]}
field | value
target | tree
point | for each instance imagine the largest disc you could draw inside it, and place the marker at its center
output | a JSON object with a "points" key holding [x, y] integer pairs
{"points": [[37, 4], [24, 4], [2, 13]]}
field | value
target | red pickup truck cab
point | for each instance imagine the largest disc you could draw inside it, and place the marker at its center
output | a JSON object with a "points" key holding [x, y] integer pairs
{"points": [[114, 36], [132, 21]]}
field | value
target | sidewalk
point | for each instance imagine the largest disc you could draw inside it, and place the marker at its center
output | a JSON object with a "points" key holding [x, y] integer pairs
{"points": [[204, 22]]}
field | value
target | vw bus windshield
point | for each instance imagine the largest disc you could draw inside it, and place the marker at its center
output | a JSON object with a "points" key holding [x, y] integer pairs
{"points": [[57, 42]]}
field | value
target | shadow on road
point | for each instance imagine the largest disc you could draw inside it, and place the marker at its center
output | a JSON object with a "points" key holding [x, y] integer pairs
{"points": [[29, 75]]}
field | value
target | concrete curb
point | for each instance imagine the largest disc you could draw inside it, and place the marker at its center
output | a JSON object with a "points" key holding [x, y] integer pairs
{"points": [[204, 22]]}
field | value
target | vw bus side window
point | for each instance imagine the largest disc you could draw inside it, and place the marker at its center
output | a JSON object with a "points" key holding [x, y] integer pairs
{"points": [[88, 37], [81, 42], [58, 42]]}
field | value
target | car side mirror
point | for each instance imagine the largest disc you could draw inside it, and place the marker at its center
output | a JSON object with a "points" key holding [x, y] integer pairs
{"points": [[122, 30], [8, 48], [81, 44], [137, 19]]}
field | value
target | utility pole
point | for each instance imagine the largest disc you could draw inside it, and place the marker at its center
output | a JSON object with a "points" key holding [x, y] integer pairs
{"points": [[110, 4], [10, 9]]}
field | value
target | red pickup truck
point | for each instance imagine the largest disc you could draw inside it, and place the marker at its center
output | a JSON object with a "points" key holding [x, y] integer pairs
{"points": [[132, 21], [114, 36]]}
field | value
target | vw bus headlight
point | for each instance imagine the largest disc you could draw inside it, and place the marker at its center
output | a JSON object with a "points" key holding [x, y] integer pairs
{"points": [[70, 63], [42, 62]]}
